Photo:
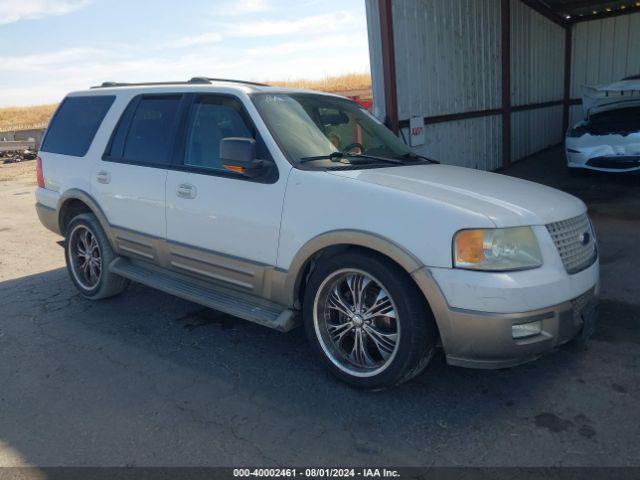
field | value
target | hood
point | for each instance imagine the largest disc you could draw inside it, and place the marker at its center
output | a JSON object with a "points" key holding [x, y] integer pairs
{"points": [[623, 94], [506, 201]]}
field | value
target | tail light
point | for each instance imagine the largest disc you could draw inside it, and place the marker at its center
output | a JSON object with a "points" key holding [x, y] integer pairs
{"points": [[39, 174]]}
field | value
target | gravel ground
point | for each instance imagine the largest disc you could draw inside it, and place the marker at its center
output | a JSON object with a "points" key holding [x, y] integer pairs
{"points": [[148, 379]]}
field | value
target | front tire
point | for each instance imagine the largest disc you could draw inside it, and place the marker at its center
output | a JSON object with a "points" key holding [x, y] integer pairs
{"points": [[367, 321], [88, 254]]}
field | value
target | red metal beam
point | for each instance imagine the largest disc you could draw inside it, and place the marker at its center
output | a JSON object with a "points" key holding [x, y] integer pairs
{"points": [[505, 14], [454, 117], [568, 47], [536, 106], [389, 64]]}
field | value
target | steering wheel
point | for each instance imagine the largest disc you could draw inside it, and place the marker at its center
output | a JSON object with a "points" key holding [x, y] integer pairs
{"points": [[352, 146]]}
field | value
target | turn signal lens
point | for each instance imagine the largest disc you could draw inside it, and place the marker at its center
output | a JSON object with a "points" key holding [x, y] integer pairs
{"points": [[496, 249], [469, 246], [234, 168]]}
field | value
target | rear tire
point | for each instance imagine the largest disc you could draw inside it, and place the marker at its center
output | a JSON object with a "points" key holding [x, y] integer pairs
{"points": [[367, 321], [88, 254]]}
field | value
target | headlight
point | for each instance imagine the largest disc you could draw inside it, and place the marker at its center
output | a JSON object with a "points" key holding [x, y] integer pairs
{"points": [[496, 249]]}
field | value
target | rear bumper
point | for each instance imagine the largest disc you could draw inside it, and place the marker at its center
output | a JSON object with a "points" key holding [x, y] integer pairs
{"points": [[48, 217], [485, 340]]}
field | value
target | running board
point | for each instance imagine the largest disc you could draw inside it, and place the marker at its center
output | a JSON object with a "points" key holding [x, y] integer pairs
{"points": [[219, 298]]}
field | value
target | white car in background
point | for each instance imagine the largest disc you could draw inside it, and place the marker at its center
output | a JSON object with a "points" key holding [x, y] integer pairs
{"points": [[608, 139]]}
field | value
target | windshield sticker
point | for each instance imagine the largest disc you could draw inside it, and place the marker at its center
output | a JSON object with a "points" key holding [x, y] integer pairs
{"points": [[274, 99]]}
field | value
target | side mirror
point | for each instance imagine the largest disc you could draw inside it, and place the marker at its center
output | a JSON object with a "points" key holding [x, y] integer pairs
{"points": [[239, 155]]}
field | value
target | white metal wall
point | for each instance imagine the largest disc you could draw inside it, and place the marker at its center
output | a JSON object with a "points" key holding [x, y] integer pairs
{"points": [[537, 57], [535, 130], [474, 143], [537, 76], [447, 52], [448, 61], [604, 51]]}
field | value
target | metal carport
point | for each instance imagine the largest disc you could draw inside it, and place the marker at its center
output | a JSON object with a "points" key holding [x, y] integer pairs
{"points": [[494, 81]]}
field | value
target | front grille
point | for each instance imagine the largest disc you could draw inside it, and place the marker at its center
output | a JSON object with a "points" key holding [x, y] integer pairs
{"points": [[575, 241]]}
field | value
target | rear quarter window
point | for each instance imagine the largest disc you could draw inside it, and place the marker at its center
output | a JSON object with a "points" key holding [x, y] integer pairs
{"points": [[75, 124]]}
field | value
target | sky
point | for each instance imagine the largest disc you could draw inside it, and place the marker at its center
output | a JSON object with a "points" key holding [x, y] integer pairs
{"points": [[51, 47]]}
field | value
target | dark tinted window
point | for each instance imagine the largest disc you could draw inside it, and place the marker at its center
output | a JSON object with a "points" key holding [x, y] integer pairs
{"points": [[151, 130], [210, 120], [75, 124]]}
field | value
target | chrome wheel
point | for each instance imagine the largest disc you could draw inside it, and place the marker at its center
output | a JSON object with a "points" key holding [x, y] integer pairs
{"points": [[84, 257], [356, 322]]}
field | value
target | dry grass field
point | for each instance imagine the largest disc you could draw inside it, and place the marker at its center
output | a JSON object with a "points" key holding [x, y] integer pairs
{"points": [[11, 117], [343, 83]]}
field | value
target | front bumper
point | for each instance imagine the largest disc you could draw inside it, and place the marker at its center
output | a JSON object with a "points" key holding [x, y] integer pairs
{"points": [[613, 164], [485, 340], [476, 338]]}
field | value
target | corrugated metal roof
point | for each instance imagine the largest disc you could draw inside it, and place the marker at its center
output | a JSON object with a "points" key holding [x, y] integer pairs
{"points": [[575, 9]]}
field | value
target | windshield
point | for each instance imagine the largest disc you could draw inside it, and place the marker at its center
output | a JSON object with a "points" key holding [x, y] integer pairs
{"points": [[310, 125]]}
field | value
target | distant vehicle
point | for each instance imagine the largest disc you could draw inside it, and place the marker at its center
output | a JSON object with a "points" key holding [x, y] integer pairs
{"points": [[279, 205], [608, 139]]}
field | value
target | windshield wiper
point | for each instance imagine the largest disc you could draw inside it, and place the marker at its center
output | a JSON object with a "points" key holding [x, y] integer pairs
{"points": [[415, 156], [373, 157], [337, 156], [334, 157]]}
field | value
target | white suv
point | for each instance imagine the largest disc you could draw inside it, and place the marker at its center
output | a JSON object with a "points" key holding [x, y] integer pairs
{"points": [[280, 206]]}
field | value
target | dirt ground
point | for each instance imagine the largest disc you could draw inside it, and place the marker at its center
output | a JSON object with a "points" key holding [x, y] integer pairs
{"points": [[23, 171], [148, 379]]}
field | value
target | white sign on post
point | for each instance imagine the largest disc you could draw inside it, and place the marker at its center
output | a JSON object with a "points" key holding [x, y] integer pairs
{"points": [[416, 131]]}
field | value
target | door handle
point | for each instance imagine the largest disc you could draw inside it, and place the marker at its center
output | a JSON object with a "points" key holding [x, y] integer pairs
{"points": [[186, 190], [103, 177]]}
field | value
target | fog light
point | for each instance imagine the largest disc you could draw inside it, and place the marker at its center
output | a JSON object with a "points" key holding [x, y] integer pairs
{"points": [[525, 330]]}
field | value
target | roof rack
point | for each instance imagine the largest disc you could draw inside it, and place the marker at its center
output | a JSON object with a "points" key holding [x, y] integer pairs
{"points": [[209, 80], [192, 81]]}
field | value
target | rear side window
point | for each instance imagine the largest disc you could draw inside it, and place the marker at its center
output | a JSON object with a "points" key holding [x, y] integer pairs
{"points": [[145, 132], [75, 124]]}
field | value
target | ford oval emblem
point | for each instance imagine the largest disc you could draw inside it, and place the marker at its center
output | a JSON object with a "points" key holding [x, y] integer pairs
{"points": [[584, 238]]}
